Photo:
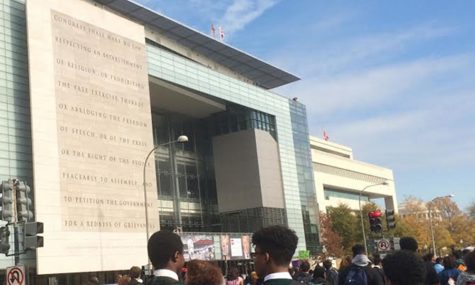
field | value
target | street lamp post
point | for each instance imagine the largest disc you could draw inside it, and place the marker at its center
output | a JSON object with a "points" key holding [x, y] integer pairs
{"points": [[361, 212], [180, 139], [430, 220]]}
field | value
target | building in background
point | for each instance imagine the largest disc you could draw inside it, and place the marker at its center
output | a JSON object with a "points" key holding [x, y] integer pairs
{"points": [[88, 88], [340, 179]]}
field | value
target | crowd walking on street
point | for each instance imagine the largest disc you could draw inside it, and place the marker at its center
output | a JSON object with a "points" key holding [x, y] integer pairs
{"points": [[275, 247]]}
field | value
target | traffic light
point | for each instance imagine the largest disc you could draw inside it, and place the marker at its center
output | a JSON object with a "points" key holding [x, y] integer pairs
{"points": [[24, 204], [390, 219], [4, 240], [375, 221], [31, 239], [6, 213]]}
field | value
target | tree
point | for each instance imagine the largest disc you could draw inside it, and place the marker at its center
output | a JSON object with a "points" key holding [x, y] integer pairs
{"points": [[464, 230], [471, 210], [345, 224], [446, 208], [415, 223], [331, 239]]}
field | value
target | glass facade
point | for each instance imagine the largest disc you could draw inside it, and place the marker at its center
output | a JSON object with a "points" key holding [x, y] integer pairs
{"points": [[185, 174], [303, 158], [174, 68], [332, 193], [15, 130], [15, 124]]}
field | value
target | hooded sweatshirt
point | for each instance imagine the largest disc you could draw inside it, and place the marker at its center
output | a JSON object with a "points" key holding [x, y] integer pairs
{"points": [[465, 277]]}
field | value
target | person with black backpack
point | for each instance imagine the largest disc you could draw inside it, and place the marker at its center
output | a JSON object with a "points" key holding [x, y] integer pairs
{"points": [[330, 272], [359, 272]]}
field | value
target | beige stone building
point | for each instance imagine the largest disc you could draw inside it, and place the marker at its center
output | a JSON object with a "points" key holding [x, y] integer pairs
{"points": [[339, 178]]}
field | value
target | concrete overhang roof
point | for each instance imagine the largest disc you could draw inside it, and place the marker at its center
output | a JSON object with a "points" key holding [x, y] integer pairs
{"points": [[265, 75]]}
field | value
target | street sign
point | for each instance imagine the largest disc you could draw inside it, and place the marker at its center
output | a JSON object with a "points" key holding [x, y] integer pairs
{"points": [[15, 275], [383, 245]]}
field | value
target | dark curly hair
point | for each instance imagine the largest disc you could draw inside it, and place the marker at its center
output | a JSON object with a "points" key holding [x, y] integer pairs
{"points": [[404, 267], [162, 247], [203, 273], [470, 262], [408, 243], [279, 242]]}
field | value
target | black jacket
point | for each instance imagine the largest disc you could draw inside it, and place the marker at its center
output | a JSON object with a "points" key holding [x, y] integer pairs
{"points": [[374, 278], [161, 280]]}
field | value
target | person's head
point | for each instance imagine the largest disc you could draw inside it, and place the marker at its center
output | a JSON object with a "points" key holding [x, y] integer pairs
{"points": [[470, 261], [327, 264], [275, 246], [357, 249], [203, 272], [428, 256], [233, 273], [165, 250], [438, 260], [449, 262], [94, 280], [457, 253], [124, 280], [376, 259], [254, 277], [404, 267], [304, 266], [135, 272], [319, 272], [408, 243]]}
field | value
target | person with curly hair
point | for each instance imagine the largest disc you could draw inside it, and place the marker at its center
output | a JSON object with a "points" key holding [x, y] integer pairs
{"points": [[274, 248], [469, 274], [203, 273], [404, 267]]}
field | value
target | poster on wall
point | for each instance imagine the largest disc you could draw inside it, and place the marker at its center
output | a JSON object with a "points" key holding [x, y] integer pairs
{"points": [[225, 247], [246, 246], [236, 247], [198, 247]]}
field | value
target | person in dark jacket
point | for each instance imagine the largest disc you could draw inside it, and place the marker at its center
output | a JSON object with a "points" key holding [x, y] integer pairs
{"points": [[410, 243], [303, 275], [319, 276], [165, 250], [361, 261], [404, 267], [450, 271], [330, 272]]}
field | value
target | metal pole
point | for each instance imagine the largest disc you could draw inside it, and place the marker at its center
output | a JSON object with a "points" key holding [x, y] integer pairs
{"points": [[362, 223], [145, 190], [145, 186]]}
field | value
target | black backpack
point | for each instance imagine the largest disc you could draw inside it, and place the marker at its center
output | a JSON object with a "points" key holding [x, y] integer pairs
{"points": [[356, 276]]}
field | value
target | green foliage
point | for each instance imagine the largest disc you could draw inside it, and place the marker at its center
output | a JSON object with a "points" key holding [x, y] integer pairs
{"points": [[345, 224], [471, 210]]}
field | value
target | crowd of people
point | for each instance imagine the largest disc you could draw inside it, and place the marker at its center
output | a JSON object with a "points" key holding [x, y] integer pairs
{"points": [[274, 248], [404, 266]]}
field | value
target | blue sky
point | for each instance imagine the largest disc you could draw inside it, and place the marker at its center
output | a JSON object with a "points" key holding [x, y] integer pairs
{"points": [[394, 80]]}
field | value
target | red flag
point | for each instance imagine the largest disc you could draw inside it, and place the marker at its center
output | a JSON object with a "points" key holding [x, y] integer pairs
{"points": [[213, 31], [325, 135]]}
